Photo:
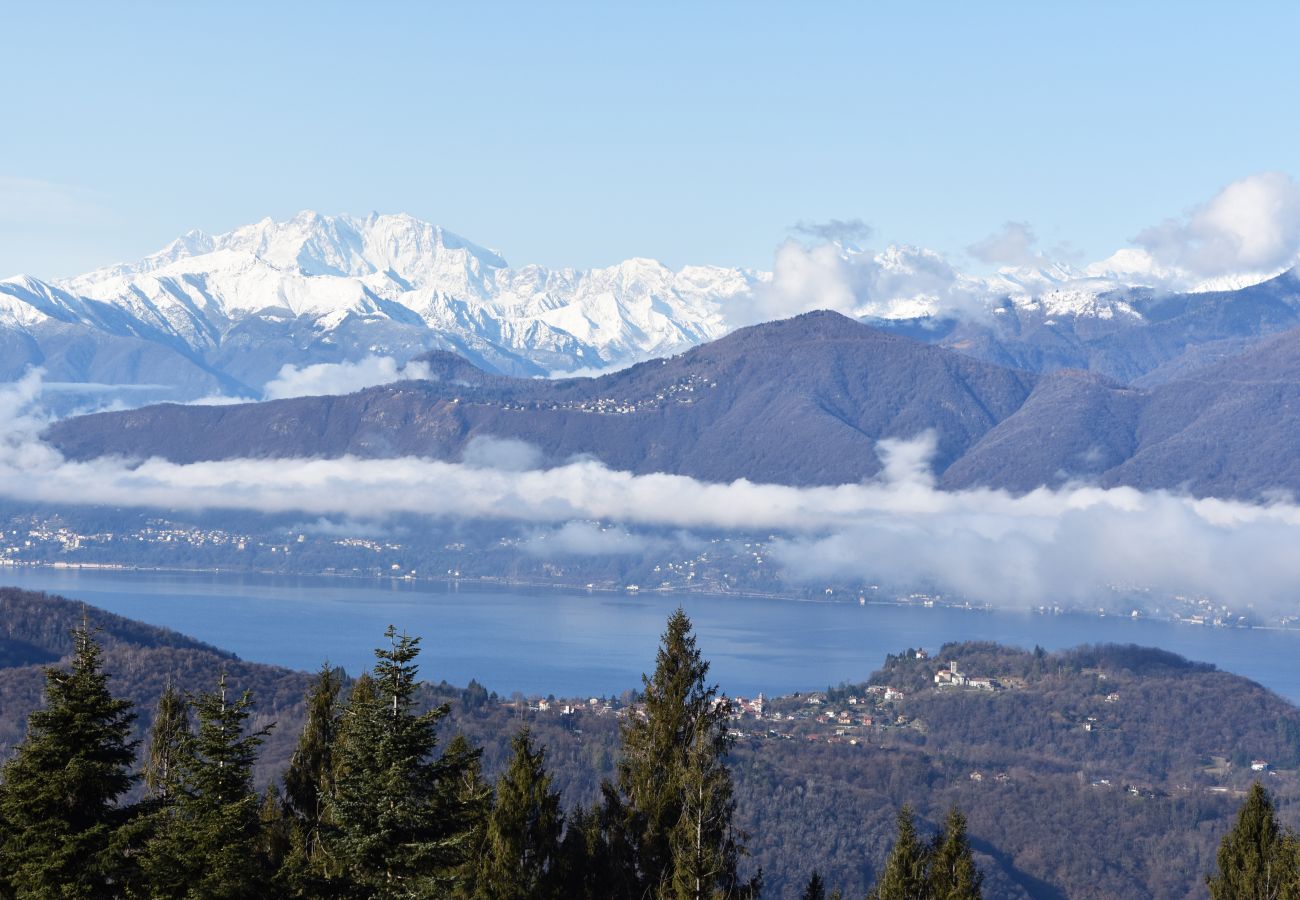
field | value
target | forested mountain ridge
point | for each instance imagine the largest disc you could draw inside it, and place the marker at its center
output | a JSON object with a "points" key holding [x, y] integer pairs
{"points": [[1066, 773], [802, 401], [36, 630]]}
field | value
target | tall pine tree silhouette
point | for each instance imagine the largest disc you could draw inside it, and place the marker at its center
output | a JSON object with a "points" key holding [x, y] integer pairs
{"points": [[904, 876], [59, 812], [674, 790], [401, 829], [952, 872], [207, 841], [815, 889], [1257, 858], [520, 857], [167, 736]]}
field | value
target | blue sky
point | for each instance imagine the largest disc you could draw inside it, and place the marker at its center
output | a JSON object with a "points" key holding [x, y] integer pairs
{"points": [[582, 134]]}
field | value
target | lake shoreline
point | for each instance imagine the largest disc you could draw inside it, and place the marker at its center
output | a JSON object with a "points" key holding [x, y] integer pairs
{"points": [[574, 642], [492, 582]]}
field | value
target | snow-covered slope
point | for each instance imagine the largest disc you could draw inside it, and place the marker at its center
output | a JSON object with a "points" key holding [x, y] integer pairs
{"points": [[223, 313], [322, 273]]}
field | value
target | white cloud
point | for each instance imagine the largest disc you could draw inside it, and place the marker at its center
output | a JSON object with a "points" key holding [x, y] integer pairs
{"points": [[591, 539], [901, 281], [341, 378], [1252, 226], [505, 454], [1048, 546], [1247, 232], [220, 400], [1012, 245]]}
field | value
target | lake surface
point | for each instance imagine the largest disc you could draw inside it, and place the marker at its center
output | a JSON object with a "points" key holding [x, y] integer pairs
{"points": [[578, 643]]}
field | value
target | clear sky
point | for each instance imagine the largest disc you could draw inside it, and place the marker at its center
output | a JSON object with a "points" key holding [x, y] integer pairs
{"points": [[581, 134]]}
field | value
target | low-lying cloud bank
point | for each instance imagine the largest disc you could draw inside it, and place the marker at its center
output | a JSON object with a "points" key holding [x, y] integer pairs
{"points": [[341, 378], [1048, 546]]}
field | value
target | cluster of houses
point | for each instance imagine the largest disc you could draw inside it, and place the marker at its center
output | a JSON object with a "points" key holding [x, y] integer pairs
{"points": [[953, 677], [740, 707]]}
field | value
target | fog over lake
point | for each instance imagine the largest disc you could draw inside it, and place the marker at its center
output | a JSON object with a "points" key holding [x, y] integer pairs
{"points": [[572, 643]]}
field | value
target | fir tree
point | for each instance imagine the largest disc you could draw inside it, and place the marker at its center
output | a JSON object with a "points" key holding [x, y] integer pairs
{"points": [[1257, 859], [59, 812], [952, 873], [904, 877], [521, 846], [400, 831], [311, 867], [167, 735], [207, 839], [274, 832], [309, 780], [674, 790], [815, 889], [596, 861], [704, 849], [471, 801], [579, 854]]}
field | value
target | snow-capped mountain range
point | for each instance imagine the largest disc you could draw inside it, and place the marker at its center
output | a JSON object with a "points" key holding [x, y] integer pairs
{"points": [[333, 288], [222, 314]]}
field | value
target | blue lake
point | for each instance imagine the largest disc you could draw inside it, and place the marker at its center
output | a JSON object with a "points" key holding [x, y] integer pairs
{"points": [[579, 643]]}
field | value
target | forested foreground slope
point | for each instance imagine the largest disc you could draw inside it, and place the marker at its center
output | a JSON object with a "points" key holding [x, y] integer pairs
{"points": [[1098, 772]]}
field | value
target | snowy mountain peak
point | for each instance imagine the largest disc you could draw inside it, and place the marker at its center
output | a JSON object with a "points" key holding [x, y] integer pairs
{"points": [[334, 288], [311, 243], [433, 288]]}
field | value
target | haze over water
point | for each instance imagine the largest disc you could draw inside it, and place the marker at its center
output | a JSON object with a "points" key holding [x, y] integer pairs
{"points": [[582, 644]]}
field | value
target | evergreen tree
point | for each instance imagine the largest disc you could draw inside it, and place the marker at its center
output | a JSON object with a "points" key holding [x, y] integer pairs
{"points": [[1257, 859], [596, 861], [675, 791], [274, 832], [580, 854], [471, 801], [59, 812], [207, 840], [310, 867], [400, 830], [815, 890], [309, 780], [952, 872], [167, 735], [521, 847], [904, 877], [704, 848]]}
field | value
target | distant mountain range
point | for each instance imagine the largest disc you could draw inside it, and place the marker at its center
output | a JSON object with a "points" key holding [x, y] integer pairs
{"points": [[801, 401], [220, 315], [1133, 335]]}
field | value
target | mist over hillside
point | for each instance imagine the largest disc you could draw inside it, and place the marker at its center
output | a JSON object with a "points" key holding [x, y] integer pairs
{"points": [[800, 402]]}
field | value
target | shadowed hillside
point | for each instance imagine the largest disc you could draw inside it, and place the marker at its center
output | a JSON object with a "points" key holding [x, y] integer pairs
{"points": [[802, 401]]}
